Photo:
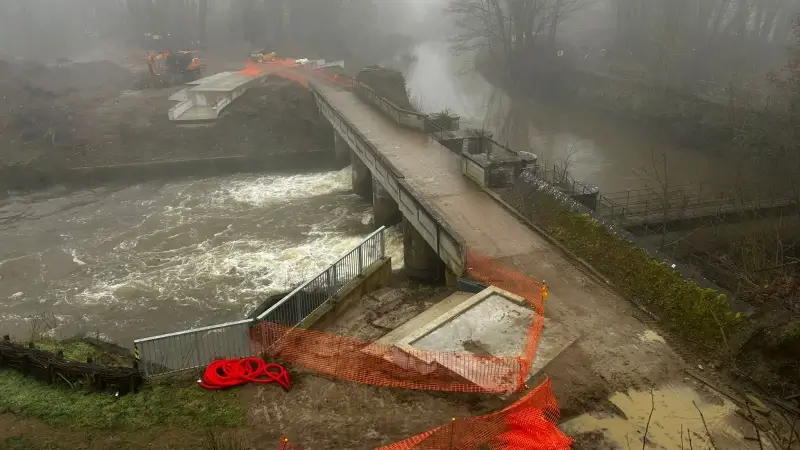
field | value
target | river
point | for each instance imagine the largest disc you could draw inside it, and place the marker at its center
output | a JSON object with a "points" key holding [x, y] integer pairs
{"points": [[611, 153], [131, 262]]}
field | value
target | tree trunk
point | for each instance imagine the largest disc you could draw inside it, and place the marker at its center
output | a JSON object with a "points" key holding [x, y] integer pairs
{"points": [[554, 25], [202, 18]]}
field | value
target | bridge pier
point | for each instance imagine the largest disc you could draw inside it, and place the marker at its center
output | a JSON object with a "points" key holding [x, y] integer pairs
{"points": [[342, 149], [362, 177], [421, 261], [385, 211]]}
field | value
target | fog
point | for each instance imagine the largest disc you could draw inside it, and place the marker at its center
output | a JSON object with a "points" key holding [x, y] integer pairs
{"points": [[679, 39], [682, 106]]}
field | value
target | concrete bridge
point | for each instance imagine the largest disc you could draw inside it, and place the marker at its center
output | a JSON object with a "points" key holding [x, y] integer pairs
{"points": [[413, 178]]}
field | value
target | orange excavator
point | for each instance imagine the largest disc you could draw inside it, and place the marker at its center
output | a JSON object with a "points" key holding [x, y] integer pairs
{"points": [[173, 68]]}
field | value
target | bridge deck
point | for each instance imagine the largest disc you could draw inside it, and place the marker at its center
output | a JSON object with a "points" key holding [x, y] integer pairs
{"points": [[435, 172], [614, 350]]}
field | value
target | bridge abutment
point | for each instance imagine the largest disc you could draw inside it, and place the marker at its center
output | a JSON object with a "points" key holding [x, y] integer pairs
{"points": [[385, 211], [342, 149], [421, 261], [362, 177]]}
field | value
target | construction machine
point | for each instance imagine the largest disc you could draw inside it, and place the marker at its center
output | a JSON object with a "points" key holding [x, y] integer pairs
{"points": [[172, 68], [263, 56]]}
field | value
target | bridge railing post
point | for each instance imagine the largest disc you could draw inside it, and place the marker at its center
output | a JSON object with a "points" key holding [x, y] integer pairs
{"points": [[383, 244], [360, 260], [329, 280]]}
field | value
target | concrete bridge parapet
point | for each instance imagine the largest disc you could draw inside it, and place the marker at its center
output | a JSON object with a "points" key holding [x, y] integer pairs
{"points": [[442, 241]]}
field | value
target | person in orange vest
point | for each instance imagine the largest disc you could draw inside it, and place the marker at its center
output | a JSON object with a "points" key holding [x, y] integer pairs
{"points": [[544, 289]]}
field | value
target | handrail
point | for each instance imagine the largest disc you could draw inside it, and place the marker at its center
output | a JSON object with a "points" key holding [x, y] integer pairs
{"points": [[194, 330], [453, 255], [399, 110], [195, 347], [288, 296]]}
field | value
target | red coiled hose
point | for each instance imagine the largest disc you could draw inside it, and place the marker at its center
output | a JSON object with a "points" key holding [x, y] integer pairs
{"points": [[227, 373]]}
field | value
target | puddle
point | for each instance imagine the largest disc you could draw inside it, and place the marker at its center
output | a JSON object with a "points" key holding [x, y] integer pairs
{"points": [[674, 412], [651, 336]]}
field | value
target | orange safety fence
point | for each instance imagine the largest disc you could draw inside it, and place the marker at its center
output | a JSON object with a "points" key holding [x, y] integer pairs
{"points": [[491, 272], [279, 68], [343, 81], [366, 362], [527, 424]]}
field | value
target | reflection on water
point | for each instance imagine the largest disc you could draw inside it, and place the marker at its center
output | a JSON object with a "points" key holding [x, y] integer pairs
{"points": [[159, 257], [611, 153]]}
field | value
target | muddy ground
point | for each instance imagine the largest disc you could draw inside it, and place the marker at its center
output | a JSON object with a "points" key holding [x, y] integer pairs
{"points": [[90, 114], [318, 413]]}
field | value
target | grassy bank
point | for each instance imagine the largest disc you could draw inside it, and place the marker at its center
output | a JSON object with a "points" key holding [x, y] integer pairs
{"points": [[168, 403], [699, 315]]}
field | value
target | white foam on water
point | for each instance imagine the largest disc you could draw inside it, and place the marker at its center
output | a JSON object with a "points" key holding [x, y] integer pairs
{"points": [[199, 247], [394, 246], [271, 188], [233, 268]]}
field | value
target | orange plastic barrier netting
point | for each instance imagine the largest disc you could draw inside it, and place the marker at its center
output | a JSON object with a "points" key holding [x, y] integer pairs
{"points": [[528, 424], [385, 365], [388, 365], [336, 79], [280, 68], [490, 272]]}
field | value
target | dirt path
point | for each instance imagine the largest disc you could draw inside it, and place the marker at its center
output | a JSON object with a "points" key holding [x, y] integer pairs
{"points": [[317, 413], [603, 380]]}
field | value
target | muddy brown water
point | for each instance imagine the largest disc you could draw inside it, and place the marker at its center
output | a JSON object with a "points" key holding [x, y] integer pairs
{"points": [[159, 257]]}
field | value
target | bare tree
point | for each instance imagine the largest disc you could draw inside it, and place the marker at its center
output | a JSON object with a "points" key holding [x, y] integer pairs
{"points": [[515, 32]]}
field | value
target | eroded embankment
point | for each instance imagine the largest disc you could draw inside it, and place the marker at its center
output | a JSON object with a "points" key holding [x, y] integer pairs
{"points": [[55, 120]]}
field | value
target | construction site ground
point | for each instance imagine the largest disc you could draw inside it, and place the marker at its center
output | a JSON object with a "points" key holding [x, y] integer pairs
{"points": [[317, 413], [92, 114], [620, 378]]}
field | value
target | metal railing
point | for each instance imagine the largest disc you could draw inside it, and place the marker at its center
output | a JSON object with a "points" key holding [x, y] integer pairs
{"points": [[655, 206], [292, 309], [396, 113], [197, 347], [560, 176]]}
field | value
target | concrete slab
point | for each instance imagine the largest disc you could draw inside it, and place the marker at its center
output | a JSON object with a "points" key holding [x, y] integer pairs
{"points": [[180, 96], [209, 78], [198, 113], [430, 314], [493, 322], [229, 82]]}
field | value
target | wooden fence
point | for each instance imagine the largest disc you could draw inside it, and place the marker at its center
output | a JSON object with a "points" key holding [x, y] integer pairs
{"points": [[55, 369]]}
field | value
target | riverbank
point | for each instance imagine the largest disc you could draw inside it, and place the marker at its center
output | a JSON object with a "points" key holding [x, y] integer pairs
{"points": [[55, 124], [316, 413], [710, 118]]}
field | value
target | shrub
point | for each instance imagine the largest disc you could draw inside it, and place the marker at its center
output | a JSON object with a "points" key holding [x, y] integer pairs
{"points": [[700, 315]]}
